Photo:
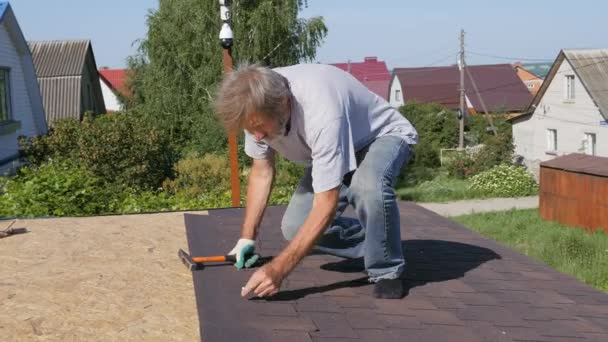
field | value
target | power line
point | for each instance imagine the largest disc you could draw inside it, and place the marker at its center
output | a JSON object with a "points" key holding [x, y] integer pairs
{"points": [[511, 58]]}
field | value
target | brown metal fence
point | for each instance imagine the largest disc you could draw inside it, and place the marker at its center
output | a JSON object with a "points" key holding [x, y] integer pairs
{"points": [[574, 191]]}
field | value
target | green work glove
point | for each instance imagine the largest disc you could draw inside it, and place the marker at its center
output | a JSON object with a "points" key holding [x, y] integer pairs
{"points": [[244, 252]]}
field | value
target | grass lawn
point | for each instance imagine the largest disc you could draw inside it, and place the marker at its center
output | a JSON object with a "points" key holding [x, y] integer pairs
{"points": [[440, 189], [568, 250]]}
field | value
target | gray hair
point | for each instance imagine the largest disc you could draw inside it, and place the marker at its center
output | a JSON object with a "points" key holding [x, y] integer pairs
{"points": [[249, 89]]}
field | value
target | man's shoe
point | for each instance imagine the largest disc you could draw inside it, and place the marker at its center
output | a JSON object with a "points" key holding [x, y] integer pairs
{"points": [[389, 289]]}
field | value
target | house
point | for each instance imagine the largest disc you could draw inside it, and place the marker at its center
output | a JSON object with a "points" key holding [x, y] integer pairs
{"points": [[68, 78], [21, 110], [540, 69], [112, 82], [498, 86], [570, 112], [371, 72], [531, 80]]}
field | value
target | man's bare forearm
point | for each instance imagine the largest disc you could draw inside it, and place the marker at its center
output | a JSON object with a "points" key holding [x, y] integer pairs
{"points": [[258, 192], [322, 214]]}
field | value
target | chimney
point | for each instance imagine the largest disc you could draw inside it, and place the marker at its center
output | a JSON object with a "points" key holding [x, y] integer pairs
{"points": [[371, 59], [348, 67]]}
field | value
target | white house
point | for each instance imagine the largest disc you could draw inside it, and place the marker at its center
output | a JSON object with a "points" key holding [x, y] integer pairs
{"points": [[112, 83], [21, 109], [570, 112]]}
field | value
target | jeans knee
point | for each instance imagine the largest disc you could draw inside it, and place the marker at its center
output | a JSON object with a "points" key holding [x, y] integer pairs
{"points": [[365, 185], [289, 229]]}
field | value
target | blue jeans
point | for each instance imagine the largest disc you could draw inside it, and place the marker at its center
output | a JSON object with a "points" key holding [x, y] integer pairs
{"points": [[375, 234]]}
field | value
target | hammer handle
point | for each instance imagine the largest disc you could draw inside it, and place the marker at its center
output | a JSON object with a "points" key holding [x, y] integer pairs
{"points": [[217, 258]]}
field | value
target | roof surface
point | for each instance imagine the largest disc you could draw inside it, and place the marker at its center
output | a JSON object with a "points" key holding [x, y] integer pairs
{"points": [[592, 68], [59, 58], [498, 84], [461, 287], [115, 78], [77, 279], [580, 163], [61, 97], [371, 72]]}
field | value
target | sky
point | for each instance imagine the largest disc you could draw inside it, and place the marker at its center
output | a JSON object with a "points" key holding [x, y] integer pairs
{"points": [[403, 33]]}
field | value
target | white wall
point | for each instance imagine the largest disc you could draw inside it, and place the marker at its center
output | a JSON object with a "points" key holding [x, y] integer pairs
{"points": [[395, 85], [20, 101], [109, 98], [571, 120]]}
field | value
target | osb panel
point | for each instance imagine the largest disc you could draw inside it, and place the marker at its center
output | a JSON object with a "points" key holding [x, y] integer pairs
{"points": [[115, 278]]}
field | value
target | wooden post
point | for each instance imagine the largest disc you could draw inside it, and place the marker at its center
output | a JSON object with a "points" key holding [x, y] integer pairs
{"points": [[226, 40], [232, 145]]}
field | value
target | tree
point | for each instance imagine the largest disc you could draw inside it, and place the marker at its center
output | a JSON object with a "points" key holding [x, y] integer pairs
{"points": [[180, 62]]}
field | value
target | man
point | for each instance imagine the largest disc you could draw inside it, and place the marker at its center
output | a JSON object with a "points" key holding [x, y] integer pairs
{"points": [[354, 145]]}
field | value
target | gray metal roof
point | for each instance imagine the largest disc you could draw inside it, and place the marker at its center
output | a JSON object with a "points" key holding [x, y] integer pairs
{"points": [[59, 58], [591, 66], [61, 97]]}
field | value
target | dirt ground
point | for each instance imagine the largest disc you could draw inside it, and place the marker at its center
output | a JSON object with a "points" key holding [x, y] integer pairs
{"points": [[114, 278]]}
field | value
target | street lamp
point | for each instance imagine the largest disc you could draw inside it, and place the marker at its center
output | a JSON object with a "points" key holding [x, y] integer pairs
{"points": [[226, 40]]}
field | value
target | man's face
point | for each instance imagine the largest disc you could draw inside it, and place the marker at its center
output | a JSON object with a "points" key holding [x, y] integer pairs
{"points": [[262, 127]]}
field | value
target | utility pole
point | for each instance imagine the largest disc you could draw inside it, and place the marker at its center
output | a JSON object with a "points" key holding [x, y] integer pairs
{"points": [[463, 108], [226, 39]]}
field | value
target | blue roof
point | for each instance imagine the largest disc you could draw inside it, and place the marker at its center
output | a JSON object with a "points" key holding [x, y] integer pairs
{"points": [[3, 7]]}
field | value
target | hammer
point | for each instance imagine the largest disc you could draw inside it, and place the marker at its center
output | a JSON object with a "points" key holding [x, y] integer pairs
{"points": [[197, 263]]}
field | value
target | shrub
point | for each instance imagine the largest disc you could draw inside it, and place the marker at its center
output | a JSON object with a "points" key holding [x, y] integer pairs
{"points": [[505, 181], [118, 148], [437, 128], [461, 166], [196, 176], [56, 188], [496, 151]]}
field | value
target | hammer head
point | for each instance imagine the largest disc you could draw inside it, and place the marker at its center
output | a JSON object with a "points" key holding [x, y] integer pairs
{"points": [[187, 260]]}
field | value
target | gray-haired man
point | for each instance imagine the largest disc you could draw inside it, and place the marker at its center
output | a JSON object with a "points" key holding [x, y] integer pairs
{"points": [[353, 144]]}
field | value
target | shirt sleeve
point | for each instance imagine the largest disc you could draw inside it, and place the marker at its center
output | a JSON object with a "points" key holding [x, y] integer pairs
{"points": [[256, 149], [333, 155]]}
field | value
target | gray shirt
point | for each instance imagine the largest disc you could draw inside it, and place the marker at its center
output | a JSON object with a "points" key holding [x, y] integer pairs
{"points": [[333, 115]]}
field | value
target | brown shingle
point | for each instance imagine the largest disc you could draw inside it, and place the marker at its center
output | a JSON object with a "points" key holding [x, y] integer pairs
{"points": [[467, 299]]}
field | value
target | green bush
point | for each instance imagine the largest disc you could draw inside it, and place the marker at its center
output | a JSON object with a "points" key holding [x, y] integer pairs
{"points": [[57, 188], [118, 148], [195, 175], [479, 132], [497, 150], [461, 166], [505, 181], [437, 128]]}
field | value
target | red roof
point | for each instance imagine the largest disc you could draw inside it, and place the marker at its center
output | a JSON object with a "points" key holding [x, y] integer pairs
{"points": [[498, 84], [371, 72], [115, 79]]}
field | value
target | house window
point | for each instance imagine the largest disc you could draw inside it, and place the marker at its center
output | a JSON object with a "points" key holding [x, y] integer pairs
{"points": [[551, 140], [589, 143], [397, 95], [570, 87], [5, 96]]}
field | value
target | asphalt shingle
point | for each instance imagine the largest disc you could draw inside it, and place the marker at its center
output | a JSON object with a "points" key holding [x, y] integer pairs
{"points": [[461, 287]]}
